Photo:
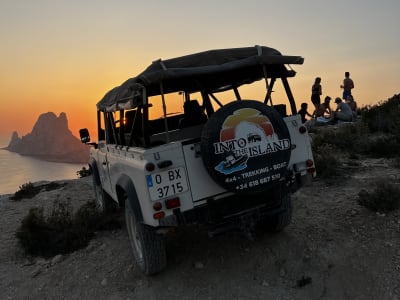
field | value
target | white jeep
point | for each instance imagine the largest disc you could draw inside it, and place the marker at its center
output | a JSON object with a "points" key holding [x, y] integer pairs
{"points": [[197, 140]]}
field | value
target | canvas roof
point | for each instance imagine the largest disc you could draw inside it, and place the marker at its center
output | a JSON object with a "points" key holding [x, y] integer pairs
{"points": [[210, 70]]}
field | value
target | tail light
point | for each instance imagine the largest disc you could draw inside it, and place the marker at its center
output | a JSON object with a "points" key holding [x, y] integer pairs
{"points": [[172, 203], [310, 166], [159, 215]]}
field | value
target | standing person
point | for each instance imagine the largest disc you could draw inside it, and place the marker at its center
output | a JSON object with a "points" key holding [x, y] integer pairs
{"points": [[316, 92], [343, 111], [303, 112], [347, 85]]}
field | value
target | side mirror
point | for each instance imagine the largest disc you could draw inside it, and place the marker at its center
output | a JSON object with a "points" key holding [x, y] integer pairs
{"points": [[84, 135]]}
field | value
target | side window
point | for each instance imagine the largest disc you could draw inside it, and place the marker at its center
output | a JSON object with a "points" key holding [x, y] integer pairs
{"points": [[133, 128], [133, 118], [173, 111], [108, 129], [101, 126], [221, 98], [112, 125], [173, 105]]}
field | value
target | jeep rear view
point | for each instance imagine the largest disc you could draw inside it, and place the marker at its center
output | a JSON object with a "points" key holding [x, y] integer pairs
{"points": [[198, 139]]}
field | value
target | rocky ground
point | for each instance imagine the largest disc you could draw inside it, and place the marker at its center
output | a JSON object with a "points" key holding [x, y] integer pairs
{"points": [[334, 249]]}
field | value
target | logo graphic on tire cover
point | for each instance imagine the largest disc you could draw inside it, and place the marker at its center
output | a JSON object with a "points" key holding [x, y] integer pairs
{"points": [[249, 153]]}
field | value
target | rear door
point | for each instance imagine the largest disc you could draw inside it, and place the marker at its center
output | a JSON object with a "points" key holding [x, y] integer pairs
{"points": [[201, 184]]}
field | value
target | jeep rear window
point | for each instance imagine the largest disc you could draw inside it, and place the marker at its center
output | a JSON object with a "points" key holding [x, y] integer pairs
{"points": [[173, 105]]}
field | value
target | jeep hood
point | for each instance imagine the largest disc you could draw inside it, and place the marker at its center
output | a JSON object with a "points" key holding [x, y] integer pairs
{"points": [[212, 71]]}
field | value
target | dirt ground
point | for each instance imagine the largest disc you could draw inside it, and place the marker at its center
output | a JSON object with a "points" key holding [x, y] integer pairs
{"points": [[334, 249]]}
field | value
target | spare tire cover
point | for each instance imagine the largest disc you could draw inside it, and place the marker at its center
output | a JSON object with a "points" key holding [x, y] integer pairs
{"points": [[246, 146]]}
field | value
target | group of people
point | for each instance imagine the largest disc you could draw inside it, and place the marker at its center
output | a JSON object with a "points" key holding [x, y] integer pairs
{"points": [[345, 111]]}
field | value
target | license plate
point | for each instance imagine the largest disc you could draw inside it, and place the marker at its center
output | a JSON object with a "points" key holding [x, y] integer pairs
{"points": [[167, 183]]}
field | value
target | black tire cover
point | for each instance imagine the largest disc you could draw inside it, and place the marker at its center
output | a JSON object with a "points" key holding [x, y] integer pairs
{"points": [[246, 146]]}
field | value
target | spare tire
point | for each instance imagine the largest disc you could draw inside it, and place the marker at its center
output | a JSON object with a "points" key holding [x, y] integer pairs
{"points": [[246, 146]]}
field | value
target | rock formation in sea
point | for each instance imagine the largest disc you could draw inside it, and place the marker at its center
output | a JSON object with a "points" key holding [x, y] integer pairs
{"points": [[50, 140]]}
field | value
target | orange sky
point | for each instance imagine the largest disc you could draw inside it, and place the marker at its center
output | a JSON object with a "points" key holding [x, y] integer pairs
{"points": [[64, 56]]}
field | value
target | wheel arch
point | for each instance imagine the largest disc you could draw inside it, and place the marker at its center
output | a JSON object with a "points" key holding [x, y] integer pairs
{"points": [[125, 187]]}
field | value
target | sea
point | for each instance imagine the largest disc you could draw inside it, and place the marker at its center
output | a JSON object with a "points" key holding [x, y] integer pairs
{"points": [[16, 170]]}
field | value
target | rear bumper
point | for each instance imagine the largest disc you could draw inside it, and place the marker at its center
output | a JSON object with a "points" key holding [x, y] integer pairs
{"points": [[243, 221], [227, 209]]}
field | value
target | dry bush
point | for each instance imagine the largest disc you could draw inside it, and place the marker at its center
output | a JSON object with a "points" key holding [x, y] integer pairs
{"points": [[29, 190], [387, 146], [384, 198], [384, 116], [326, 161], [396, 162], [62, 231], [348, 137], [84, 172], [376, 135]]}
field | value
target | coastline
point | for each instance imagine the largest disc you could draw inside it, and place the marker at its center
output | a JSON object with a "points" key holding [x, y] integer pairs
{"points": [[41, 183], [49, 158], [21, 169]]}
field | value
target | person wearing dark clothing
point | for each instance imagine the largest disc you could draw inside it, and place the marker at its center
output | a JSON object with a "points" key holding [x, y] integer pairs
{"points": [[316, 92], [193, 115], [303, 112]]}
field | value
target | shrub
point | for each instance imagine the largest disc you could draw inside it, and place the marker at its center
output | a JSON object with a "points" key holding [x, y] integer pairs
{"points": [[326, 161], [396, 162], [27, 190], [61, 232], [347, 138], [61, 215], [377, 135], [385, 197], [383, 146], [383, 117], [27, 235], [84, 172], [89, 217]]}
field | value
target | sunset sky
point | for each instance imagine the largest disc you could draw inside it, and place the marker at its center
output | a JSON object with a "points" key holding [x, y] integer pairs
{"points": [[63, 56]]}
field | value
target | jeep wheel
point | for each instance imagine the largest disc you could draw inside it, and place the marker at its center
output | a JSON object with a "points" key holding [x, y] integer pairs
{"points": [[246, 146], [148, 247], [279, 221]]}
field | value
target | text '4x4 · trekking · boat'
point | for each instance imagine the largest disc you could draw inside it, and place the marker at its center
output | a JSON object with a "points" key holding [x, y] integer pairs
{"points": [[197, 140]]}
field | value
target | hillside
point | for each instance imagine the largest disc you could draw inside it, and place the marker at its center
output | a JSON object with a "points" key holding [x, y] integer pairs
{"points": [[334, 249]]}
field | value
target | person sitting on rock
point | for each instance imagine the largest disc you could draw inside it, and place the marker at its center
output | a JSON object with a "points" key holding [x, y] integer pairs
{"points": [[324, 110], [353, 105], [343, 111]]}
